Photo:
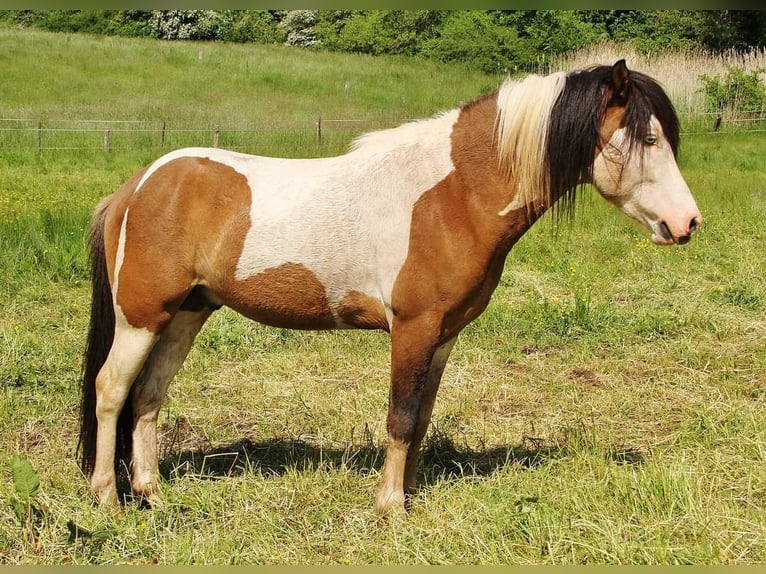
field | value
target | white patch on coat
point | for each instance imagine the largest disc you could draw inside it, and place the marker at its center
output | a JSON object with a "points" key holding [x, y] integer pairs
{"points": [[120, 257], [346, 218], [129, 350]]}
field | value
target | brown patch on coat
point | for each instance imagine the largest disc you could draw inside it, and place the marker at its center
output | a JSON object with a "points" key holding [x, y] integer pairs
{"points": [[613, 120], [457, 251], [181, 224], [362, 311], [458, 242], [115, 212], [289, 296]]}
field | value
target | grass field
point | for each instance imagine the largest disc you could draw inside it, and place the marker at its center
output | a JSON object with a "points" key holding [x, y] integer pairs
{"points": [[606, 408]]}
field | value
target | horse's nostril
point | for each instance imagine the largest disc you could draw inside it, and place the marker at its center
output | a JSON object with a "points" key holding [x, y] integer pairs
{"points": [[694, 224], [665, 231]]}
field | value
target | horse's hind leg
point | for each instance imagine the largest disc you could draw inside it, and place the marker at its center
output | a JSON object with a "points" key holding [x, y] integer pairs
{"points": [[149, 391], [129, 351]]}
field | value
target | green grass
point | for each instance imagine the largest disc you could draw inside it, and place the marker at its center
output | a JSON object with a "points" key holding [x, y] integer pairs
{"points": [[606, 408], [48, 77]]}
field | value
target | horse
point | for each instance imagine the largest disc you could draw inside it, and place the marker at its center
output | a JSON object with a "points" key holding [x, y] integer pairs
{"points": [[407, 232]]}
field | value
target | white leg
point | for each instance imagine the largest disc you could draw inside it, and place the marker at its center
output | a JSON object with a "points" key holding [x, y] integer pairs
{"points": [[129, 352]]}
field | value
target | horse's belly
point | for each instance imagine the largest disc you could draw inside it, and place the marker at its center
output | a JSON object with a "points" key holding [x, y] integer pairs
{"points": [[292, 296]]}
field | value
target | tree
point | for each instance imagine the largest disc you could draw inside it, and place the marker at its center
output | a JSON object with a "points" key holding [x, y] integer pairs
{"points": [[298, 25], [377, 31], [737, 29], [472, 36], [185, 24], [554, 32], [489, 39], [738, 91]]}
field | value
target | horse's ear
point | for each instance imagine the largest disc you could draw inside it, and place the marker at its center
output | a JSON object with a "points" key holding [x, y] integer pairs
{"points": [[620, 84]]}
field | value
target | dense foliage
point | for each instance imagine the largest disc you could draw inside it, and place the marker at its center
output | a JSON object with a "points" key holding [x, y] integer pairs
{"points": [[738, 90], [490, 40]]}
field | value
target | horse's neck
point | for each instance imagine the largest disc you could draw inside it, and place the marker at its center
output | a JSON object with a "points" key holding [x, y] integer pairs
{"points": [[487, 192]]}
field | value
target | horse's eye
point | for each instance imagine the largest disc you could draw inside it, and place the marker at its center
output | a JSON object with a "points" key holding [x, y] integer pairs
{"points": [[650, 139]]}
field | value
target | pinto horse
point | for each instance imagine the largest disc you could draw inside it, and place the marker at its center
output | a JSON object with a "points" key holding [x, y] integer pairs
{"points": [[408, 232]]}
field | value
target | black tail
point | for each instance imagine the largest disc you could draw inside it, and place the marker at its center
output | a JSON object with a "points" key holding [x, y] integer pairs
{"points": [[100, 338]]}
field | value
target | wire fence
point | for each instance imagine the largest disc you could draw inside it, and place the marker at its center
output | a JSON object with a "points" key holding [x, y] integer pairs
{"points": [[724, 121], [25, 134]]}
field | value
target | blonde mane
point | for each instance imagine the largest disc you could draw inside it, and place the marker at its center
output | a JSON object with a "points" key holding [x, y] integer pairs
{"points": [[523, 115]]}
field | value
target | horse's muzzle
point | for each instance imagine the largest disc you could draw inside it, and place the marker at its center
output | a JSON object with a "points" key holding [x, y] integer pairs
{"points": [[664, 236]]}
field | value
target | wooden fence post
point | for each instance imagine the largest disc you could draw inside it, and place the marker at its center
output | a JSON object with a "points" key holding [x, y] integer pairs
{"points": [[39, 137], [216, 134], [319, 130], [107, 139], [162, 135]]}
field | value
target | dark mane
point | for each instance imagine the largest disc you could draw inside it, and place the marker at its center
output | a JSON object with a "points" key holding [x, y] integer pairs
{"points": [[576, 118]]}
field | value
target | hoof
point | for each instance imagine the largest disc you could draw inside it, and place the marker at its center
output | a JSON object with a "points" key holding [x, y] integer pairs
{"points": [[149, 494], [106, 492], [154, 500], [390, 504]]}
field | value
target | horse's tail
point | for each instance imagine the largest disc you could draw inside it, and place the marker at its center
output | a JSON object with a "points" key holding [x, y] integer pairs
{"points": [[99, 343]]}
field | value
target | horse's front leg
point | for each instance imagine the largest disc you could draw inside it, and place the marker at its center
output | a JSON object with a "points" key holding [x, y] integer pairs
{"points": [[438, 362], [417, 363]]}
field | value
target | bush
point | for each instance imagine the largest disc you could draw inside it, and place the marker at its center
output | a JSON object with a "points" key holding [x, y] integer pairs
{"points": [[656, 31], [472, 37], [259, 26], [132, 23], [377, 31], [88, 21], [298, 27], [185, 24], [110, 22], [738, 91], [558, 31]]}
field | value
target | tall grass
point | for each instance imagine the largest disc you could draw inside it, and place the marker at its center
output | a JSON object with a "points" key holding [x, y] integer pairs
{"points": [[606, 408]]}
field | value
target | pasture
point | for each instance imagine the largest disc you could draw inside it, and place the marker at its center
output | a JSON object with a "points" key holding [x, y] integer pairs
{"points": [[606, 408]]}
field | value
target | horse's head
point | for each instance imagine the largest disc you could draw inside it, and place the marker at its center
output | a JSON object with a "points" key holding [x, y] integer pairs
{"points": [[635, 166]]}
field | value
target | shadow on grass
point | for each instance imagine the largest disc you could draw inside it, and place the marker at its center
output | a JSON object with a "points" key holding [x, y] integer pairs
{"points": [[440, 458]]}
